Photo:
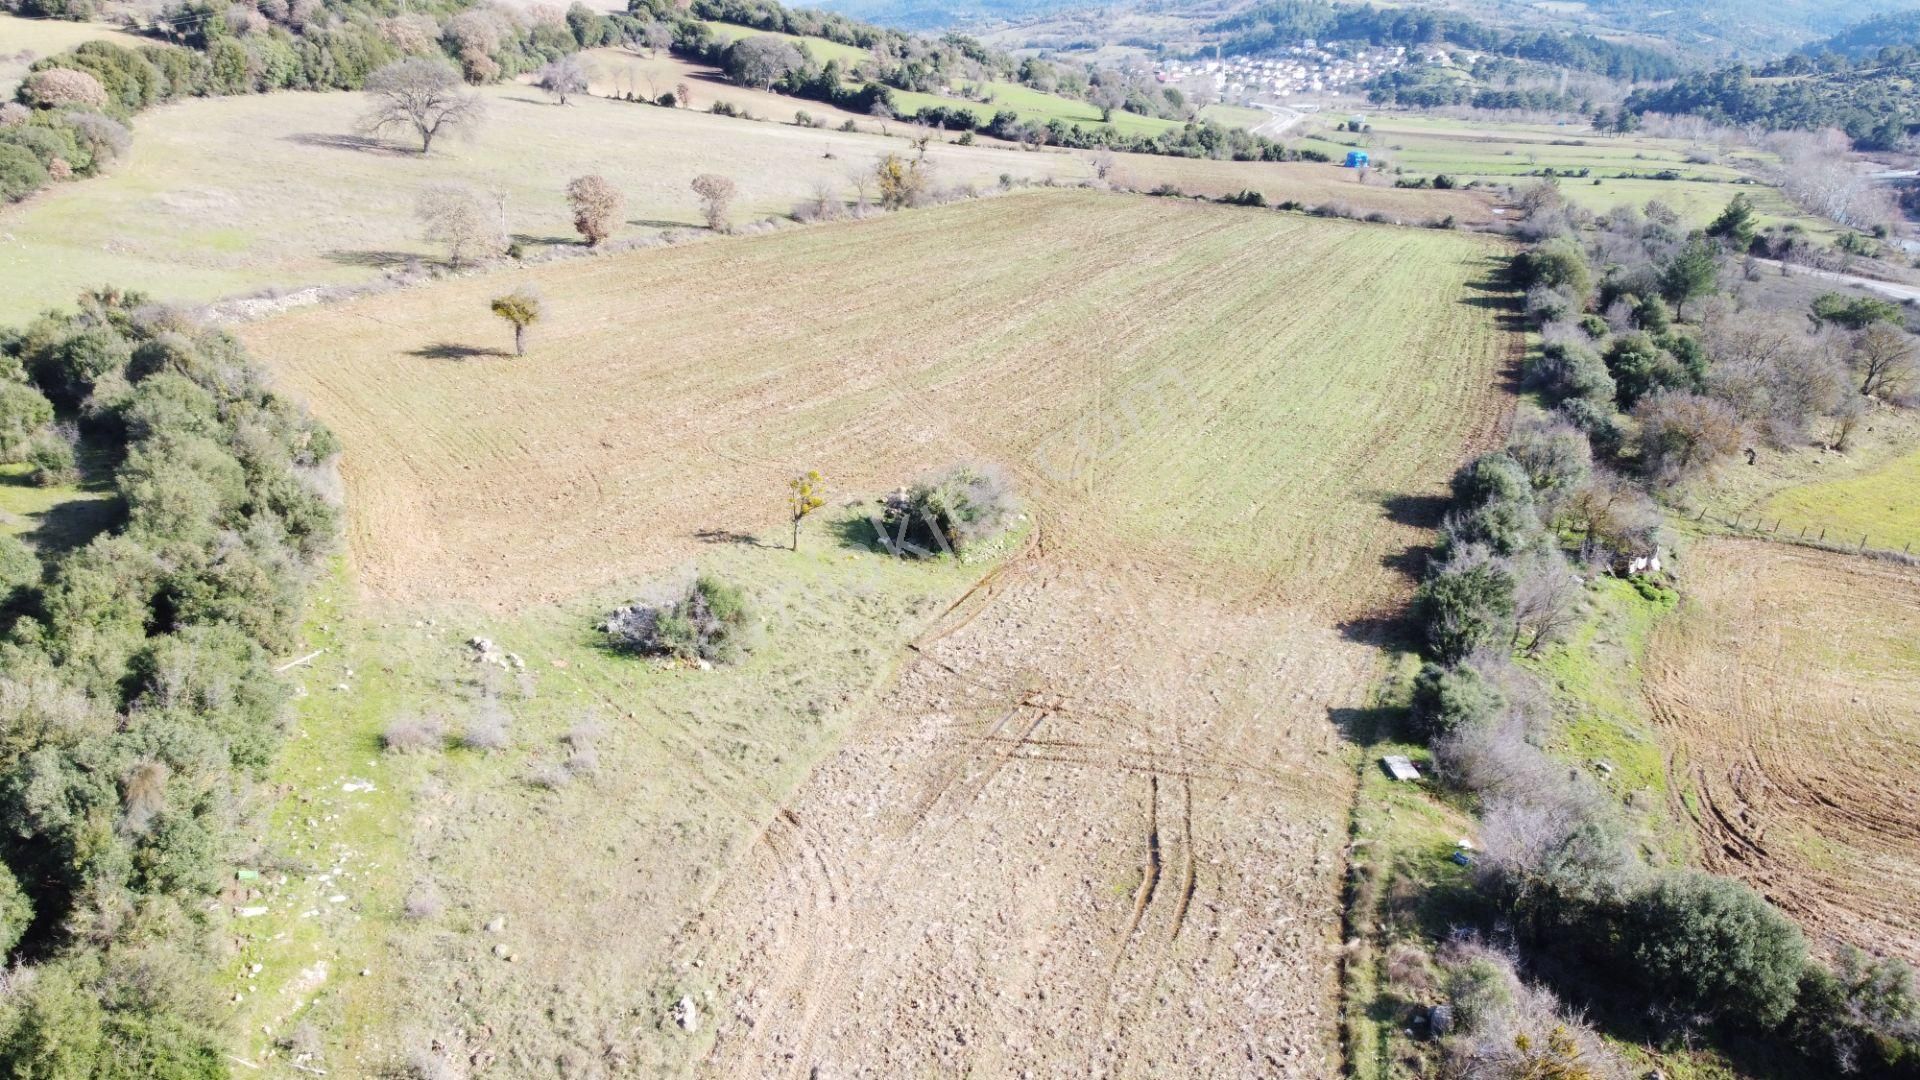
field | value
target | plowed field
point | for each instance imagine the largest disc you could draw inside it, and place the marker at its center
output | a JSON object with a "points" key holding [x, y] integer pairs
{"points": [[1096, 825], [1789, 688]]}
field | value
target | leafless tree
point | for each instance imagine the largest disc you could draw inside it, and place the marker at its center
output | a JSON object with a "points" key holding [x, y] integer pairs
{"points": [[563, 78], [1683, 435], [656, 37], [882, 112], [457, 217], [1885, 358], [1545, 603], [716, 197], [421, 95], [1103, 162]]}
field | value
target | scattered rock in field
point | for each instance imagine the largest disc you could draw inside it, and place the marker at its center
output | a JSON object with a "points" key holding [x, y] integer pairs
{"points": [[500, 951], [686, 1015], [252, 912], [496, 924]]}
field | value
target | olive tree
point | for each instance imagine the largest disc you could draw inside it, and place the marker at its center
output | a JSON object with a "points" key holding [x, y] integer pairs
{"points": [[420, 95]]}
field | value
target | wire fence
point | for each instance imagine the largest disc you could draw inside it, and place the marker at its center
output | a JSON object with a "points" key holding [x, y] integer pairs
{"points": [[1824, 537]]}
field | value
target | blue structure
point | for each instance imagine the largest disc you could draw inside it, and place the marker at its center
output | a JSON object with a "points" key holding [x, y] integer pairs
{"points": [[1356, 159]]}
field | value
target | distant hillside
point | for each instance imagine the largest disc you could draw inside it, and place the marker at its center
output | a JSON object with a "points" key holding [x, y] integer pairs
{"points": [[1708, 29], [1288, 22], [1877, 106], [1895, 30]]}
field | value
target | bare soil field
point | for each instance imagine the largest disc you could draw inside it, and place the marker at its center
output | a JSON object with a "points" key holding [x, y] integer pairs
{"points": [[1094, 822], [1788, 687]]}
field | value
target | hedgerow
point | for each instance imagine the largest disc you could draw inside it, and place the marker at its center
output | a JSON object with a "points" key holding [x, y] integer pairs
{"points": [[137, 698]]}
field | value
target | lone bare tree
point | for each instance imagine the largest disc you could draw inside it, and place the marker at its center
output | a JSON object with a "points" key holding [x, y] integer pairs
{"points": [[563, 78], [716, 196], [521, 307], [458, 217], [422, 95], [596, 207]]}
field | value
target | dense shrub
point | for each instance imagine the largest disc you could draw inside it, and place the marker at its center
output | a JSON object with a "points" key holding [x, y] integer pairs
{"points": [[1712, 947], [1449, 698], [710, 621], [1466, 604], [21, 173], [951, 512]]}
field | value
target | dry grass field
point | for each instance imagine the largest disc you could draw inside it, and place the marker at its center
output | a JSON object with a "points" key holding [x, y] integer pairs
{"points": [[1788, 688], [233, 195], [1090, 820]]}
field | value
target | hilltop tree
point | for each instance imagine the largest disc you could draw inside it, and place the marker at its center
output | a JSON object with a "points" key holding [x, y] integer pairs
{"points": [[1107, 97], [806, 493], [760, 60], [522, 308], [1736, 224], [716, 197], [563, 78], [596, 207], [1694, 272], [422, 95], [457, 216]]}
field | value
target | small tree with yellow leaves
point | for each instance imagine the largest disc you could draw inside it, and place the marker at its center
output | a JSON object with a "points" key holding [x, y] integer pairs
{"points": [[521, 307], [806, 493]]}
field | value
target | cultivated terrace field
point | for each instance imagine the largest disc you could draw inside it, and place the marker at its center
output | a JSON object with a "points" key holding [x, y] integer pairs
{"points": [[1075, 807], [1788, 690]]}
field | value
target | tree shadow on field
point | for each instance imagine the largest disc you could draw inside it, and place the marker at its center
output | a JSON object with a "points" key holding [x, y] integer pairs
{"points": [[361, 143], [660, 223], [530, 240], [447, 350], [731, 536], [372, 259]]}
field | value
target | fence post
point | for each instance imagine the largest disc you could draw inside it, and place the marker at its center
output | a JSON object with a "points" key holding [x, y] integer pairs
{"points": [[1803, 531], [1863, 541], [1823, 534]]}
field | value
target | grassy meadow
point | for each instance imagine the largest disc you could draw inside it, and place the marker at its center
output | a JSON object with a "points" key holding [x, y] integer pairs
{"points": [[22, 41], [1502, 152], [1139, 365]]}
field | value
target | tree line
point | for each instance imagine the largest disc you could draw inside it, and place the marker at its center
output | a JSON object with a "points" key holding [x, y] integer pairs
{"points": [[1651, 377], [139, 707]]}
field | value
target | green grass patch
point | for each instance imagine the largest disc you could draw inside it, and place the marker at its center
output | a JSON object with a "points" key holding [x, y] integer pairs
{"points": [[53, 518], [819, 48], [1593, 678], [1882, 504]]}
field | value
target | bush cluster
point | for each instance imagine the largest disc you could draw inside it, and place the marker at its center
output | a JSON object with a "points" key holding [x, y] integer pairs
{"points": [[951, 512], [137, 698], [710, 621]]}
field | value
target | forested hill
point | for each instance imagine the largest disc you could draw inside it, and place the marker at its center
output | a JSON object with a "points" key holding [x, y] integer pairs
{"points": [[1900, 29], [1282, 23], [1877, 105]]}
